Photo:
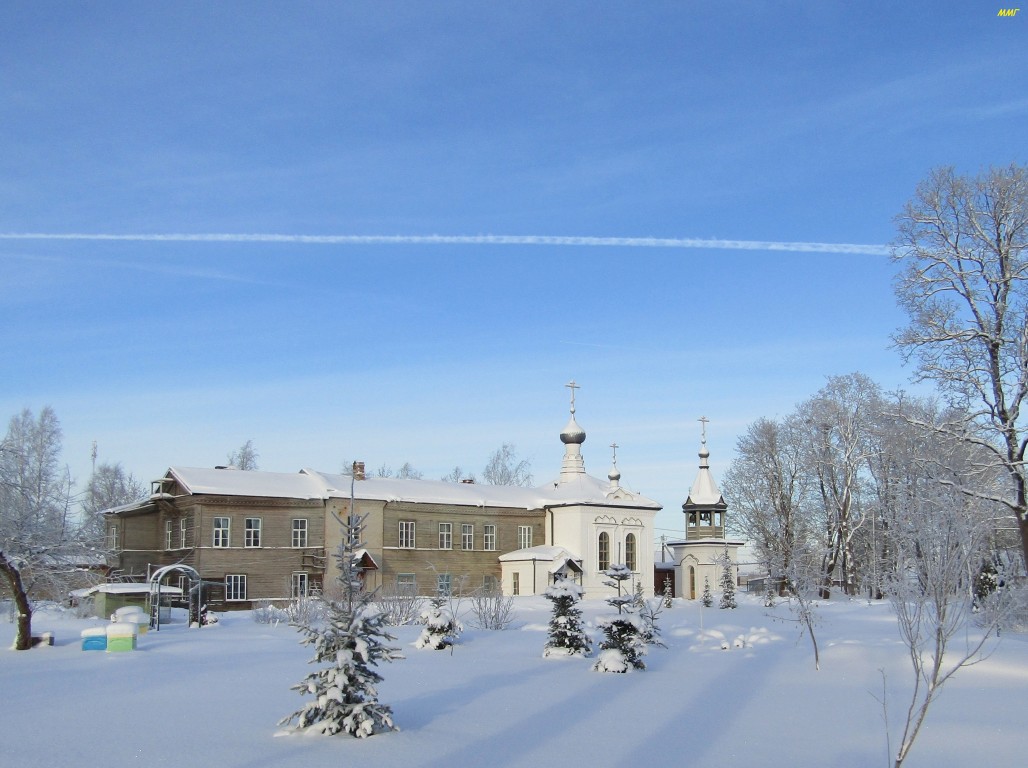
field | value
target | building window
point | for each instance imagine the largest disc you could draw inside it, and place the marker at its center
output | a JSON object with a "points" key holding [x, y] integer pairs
{"points": [[112, 536], [182, 525], [603, 551], [407, 534], [717, 519], [299, 584], [515, 583], [489, 585], [630, 551], [221, 531], [524, 536], [169, 526], [444, 585], [300, 532], [692, 519], [445, 535], [467, 536], [235, 587], [252, 535], [489, 537], [406, 583]]}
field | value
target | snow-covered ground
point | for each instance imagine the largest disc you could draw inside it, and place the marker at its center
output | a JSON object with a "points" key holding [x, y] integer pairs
{"points": [[213, 697]]}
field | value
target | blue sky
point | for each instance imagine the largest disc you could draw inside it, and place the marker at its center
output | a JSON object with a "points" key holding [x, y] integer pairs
{"points": [[772, 123]]}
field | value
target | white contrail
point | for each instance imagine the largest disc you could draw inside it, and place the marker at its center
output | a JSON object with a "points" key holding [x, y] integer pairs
{"points": [[630, 242]]}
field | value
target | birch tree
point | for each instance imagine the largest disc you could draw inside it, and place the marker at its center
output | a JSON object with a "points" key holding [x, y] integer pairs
{"points": [[964, 285], [39, 551]]}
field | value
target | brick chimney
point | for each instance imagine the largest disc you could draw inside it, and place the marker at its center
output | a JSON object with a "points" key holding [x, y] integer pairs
{"points": [[358, 470]]}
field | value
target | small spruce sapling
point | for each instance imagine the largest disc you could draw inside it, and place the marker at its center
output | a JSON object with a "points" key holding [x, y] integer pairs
{"points": [[350, 642], [727, 583], [622, 647], [707, 599], [441, 627], [668, 592], [567, 635]]}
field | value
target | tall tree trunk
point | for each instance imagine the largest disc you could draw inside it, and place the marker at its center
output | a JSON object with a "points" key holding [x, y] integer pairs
{"points": [[23, 640]]}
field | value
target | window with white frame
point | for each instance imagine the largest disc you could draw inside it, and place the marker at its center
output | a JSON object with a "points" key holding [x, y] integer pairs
{"points": [[630, 549], [603, 551], [299, 584], [467, 536], [252, 532], [444, 585], [300, 532], [524, 536], [169, 527], [235, 587], [406, 584], [183, 525], [489, 537], [515, 583], [112, 536], [221, 532], [445, 535], [406, 534]]}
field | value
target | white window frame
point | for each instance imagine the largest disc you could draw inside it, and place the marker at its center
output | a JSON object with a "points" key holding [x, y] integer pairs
{"points": [[252, 533], [632, 552], [299, 584], [444, 585], [405, 582], [408, 533], [524, 536], [445, 535], [169, 528], [112, 536], [235, 587], [467, 537], [603, 551], [300, 532], [515, 583], [222, 534], [182, 529], [489, 537]]}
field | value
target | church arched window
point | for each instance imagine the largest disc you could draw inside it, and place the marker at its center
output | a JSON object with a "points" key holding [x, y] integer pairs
{"points": [[630, 551], [603, 547]]}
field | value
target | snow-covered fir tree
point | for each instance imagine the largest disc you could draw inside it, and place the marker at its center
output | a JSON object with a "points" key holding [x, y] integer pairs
{"points": [[707, 598], [668, 593], [727, 583], [567, 634], [347, 646], [770, 598], [622, 647], [441, 627]]}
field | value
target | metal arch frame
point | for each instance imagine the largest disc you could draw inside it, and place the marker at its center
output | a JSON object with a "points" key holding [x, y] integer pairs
{"points": [[155, 590]]}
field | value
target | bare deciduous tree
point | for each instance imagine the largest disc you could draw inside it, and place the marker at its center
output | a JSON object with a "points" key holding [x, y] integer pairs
{"points": [[504, 468], [39, 551], [109, 487], [965, 289], [245, 457]]}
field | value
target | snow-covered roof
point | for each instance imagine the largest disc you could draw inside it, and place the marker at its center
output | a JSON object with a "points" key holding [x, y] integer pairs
{"points": [[704, 491], [312, 484], [123, 588], [542, 552], [239, 482]]}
